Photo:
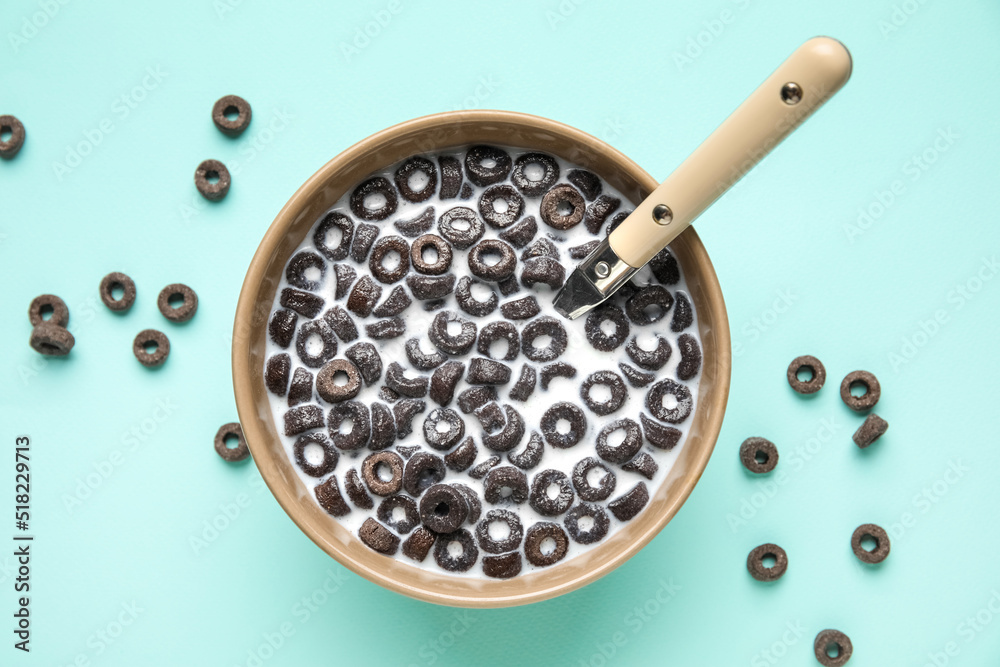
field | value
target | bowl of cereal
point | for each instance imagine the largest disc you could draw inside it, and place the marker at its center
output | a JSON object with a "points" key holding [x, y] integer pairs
{"points": [[417, 406]]}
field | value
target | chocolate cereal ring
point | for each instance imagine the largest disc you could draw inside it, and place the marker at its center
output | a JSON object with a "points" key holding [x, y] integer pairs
{"points": [[344, 277], [417, 226], [374, 199], [544, 271], [534, 173], [474, 397], [187, 307], [321, 353], [383, 427], [10, 147], [543, 247], [367, 360], [759, 571], [376, 263], [383, 473], [361, 425], [584, 481], [587, 182], [425, 361], [356, 490], [871, 430], [150, 347], [635, 377], [342, 324], [570, 413], [303, 418], [758, 455], [505, 484], [231, 105], [881, 550], [487, 371], [531, 456], [867, 400], [403, 521], [650, 304], [418, 544], [520, 234], [443, 428], [545, 543], [441, 261], [579, 530], [644, 464], [508, 286], [443, 508], [116, 280], [470, 304], [394, 304], [327, 385], [558, 369], [622, 451], [460, 557], [448, 343], [377, 537], [301, 388], [212, 180], [562, 207], [277, 372], [361, 244], [419, 170], [494, 541], [544, 326], [597, 213], [444, 380], [690, 357], [395, 379], [486, 165], [602, 318], [45, 304], [304, 303], [495, 271], [232, 454], [299, 267], [651, 360], [328, 456], [451, 176], [329, 498], [394, 327], [682, 395], [500, 206], [525, 385], [422, 471], [617, 392], [665, 268], [551, 493], [504, 566], [462, 457], [431, 288], [626, 506], [683, 316], [495, 332], [461, 227], [816, 370], [835, 642], [521, 309], [584, 250], [324, 237], [364, 296], [509, 436]]}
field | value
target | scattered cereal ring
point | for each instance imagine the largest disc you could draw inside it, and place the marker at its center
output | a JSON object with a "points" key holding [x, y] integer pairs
{"points": [[229, 105], [832, 641], [531, 456], [232, 454], [145, 339], [759, 571], [867, 400], [881, 550], [212, 180], [446, 438], [48, 303], [556, 370], [116, 280], [441, 261], [10, 147], [871, 430], [758, 455], [471, 305], [651, 360], [499, 331], [448, 343], [187, 308], [509, 436], [383, 473], [361, 425], [650, 304]]}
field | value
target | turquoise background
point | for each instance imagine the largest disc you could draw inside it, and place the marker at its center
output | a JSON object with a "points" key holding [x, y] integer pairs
{"points": [[909, 294]]}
